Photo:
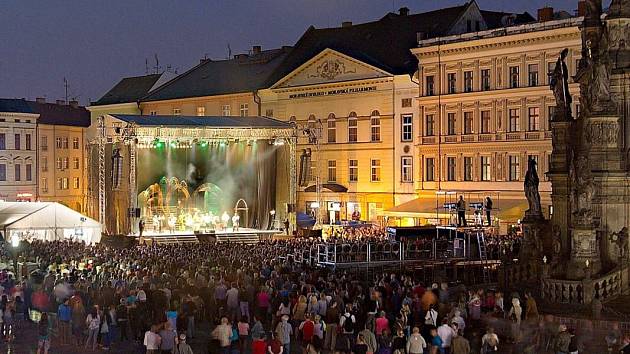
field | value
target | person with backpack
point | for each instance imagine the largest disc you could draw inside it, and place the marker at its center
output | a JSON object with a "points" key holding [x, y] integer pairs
{"points": [[284, 331], [307, 328], [489, 342], [182, 347]]}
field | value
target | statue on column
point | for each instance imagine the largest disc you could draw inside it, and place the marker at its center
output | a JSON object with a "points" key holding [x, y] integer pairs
{"points": [[531, 191], [593, 72], [559, 84], [582, 191]]}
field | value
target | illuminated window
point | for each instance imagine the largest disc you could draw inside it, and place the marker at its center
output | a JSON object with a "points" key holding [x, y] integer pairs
{"points": [[451, 168], [332, 171], [177, 111], [407, 127], [532, 74], [429, 126], [44, 184], [64, 183], [429, 168], [75, 183], [375, 124], [201, 111], [515, 168], [76, 163], [244, 109], [59, 163], [485, 168], [485, 122], [353, 127], [406, 166], [353, 170], [44, 164], [451, 123], [514, 123], [65, 142], [375, 170], [58, 143], [468, 164], [65, 163], [533, 119], [75, 143], [331, 128]]}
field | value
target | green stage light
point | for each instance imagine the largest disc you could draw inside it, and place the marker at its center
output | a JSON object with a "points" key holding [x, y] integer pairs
{"points": [[204, 144], [173, 144], [158, 144], [223, 144]]}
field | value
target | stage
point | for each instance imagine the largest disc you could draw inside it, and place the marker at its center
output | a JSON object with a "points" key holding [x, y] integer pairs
{"points": [[241, 235]]}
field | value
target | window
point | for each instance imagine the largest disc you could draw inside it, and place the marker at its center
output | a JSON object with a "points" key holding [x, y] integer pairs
{"points": [[59, 184], [64, 183], [75, 183], [407, 127], [76, 163], [468, 122], [75, 143], [485, 79], [353, 170], [406, 102], [177, 111], [429, 169], [429, 126], [452, 82], [153, 113], [550, 112], [430, 89], [44, 164], [515, 169], [485, 168], [244, 109], [514, 120], [65, 143], [29, 172], [18, 172], [44, 184], [550, 68], [225, 110], [201, 111], [352, 128], [485, 122], [376, 170], [65, 163], [58, 143], [28, 141], [332, 171], [58, 163], [577, 110], [451, 123], [468, 81], [3, 141], [532, 74], [406, 166], [269, 113], [451, 168], [313, 171], [467, 168], [3, 172], [533, 119], [375, 123], [332, 129], [514, 77], [18, 143]]}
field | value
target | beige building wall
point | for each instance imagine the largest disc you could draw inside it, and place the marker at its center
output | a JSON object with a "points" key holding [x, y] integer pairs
{"points": [[500, 117], [239, 104], [62, 165], [367, 97]]}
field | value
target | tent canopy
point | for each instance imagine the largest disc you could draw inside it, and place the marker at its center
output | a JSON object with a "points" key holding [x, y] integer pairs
{"points": [[48, 221]]}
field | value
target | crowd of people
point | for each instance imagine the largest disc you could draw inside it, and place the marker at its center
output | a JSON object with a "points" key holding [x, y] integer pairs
{"points": [[258, 301]]}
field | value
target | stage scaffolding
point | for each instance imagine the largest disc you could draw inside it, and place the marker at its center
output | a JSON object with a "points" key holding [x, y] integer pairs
{"points": [[131, 133]]}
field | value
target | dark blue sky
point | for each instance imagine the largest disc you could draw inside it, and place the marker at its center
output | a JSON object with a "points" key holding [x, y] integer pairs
{"points": [[95, 43]]}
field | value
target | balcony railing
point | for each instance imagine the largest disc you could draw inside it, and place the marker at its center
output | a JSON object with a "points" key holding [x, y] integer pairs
{"points": [[487, 137]]}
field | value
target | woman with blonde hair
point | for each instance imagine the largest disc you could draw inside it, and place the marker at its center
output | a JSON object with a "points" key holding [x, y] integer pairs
{"points": [[299, 310]]}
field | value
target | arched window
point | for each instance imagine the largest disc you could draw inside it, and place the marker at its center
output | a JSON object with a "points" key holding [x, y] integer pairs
{"points": [[332, 128], [353, 128], [375, 124], [292, 119]]}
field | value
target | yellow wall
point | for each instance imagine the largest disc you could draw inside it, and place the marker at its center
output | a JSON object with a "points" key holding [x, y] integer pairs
{"points": [[213, 105]]}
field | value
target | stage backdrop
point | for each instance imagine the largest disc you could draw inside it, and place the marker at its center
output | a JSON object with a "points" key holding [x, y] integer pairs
{"points": [[216, 176]]}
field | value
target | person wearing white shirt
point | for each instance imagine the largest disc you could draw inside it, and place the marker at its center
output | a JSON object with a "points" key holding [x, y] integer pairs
{"points": [[152, 340], [446, 334]]}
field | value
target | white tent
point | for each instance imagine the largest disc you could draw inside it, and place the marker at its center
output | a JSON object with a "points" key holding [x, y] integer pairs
{"points": [[46, 221]]}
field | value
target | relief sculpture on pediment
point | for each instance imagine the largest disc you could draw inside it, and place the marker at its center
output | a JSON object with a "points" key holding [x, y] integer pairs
{"points": [[329, 69]]}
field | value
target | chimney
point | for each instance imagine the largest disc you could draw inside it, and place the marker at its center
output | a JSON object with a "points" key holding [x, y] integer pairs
{"points": [[61, 102], [204, 60], [421, 36], [346, 24], [74, 104], [581, 8], [403, 11], [256, 49], [40, 100], [545, 14]]}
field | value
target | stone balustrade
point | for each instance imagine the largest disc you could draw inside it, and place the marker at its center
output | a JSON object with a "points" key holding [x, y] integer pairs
{"points": [[584, 291]]}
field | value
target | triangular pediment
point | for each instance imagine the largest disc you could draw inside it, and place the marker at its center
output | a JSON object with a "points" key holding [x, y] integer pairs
{"points": [[327, 67]]}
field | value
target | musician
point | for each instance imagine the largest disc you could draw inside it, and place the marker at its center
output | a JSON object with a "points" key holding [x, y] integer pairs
{"points": [[235, 222], [488, 206]]}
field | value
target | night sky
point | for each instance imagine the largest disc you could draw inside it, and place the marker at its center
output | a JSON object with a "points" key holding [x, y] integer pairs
{"points": [[95, 43]]}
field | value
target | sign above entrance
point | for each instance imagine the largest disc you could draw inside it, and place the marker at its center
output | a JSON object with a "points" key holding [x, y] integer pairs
{"points": [[333, 92]]}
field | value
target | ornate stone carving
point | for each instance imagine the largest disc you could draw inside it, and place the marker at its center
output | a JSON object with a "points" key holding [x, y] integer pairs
{"points": [[619, 8], [619, 35], [331, 68], [531, 191], [583, 191], [559, 84], [602, 133]]}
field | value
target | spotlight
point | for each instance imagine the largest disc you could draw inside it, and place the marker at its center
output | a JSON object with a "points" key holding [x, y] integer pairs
{"points": [[204, 144], [278, 142], [157, 143], [222, 143], [174, 144]]}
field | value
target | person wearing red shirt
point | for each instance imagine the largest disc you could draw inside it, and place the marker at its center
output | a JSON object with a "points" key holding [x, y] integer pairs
{"points": [[274, 346], [259, 346]]}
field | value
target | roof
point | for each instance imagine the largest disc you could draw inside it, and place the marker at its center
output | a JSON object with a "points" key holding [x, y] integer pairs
{"points": [[385, 43], [497, 19], [243, 73], [203, 121], [15, 105], [129, 89], [61, 114]]}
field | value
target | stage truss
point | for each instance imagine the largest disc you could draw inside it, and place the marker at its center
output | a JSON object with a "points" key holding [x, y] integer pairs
{"points": [[112, 131]]}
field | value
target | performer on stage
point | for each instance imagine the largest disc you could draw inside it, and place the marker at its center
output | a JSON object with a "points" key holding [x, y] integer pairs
{"points": [[235, 222], [156, 223], [172, 221]]}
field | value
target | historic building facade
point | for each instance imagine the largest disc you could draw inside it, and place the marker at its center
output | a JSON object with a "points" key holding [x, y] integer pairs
{"points": [[484, 110], [18, 151]]}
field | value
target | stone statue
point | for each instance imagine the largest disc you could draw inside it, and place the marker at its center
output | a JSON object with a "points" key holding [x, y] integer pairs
{"points": [[619, 8], [593, 12], [621, 240], [559, 84], [583, 191], [531, 191]]}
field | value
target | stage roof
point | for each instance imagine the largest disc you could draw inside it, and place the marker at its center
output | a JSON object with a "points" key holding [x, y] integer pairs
{"points": [[203, 121]]}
